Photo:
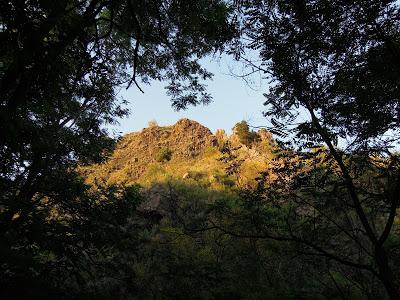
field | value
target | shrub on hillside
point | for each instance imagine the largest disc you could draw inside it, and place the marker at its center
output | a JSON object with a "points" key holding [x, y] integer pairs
{"points": [[246, 136], [164, 154], [152, 124]]}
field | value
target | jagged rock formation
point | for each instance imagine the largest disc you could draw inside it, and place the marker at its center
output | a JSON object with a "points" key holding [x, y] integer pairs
{"points": [[186, 139], [266, 136], [195, 153], [221, 136]]}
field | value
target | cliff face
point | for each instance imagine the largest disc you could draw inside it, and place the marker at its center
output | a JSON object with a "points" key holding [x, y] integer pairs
{"points": [[186, 139], [194, 150]]}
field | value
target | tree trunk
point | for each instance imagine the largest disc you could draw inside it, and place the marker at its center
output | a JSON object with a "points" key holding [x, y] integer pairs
{"points": [[386, 274]]}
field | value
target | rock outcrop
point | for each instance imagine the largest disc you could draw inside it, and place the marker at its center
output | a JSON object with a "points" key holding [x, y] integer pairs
{"points": [[192, 146]]}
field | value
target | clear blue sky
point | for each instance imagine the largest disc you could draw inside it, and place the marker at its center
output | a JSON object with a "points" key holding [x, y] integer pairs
{"points": [[233, 101]]}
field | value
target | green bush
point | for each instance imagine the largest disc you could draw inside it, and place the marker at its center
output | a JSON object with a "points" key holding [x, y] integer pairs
{"points": [[164, 154], [246, 136]]}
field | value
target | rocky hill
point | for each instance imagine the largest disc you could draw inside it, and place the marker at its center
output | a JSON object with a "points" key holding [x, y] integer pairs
{"points": [[186, 150]]}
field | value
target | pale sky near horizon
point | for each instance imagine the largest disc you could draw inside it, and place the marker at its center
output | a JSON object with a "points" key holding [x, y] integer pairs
{"points": [[234, 100]]}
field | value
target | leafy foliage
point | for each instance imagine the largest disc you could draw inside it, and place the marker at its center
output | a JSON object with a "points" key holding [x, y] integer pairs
{"points": [[321, 221], [332, 64], [246, 137], [62, 64], [164, 154]]}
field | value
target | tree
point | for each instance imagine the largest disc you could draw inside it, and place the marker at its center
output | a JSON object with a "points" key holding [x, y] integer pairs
{"points": [[62, 63], [337, 63], [246, 136], [152, 124], [164, 154]]}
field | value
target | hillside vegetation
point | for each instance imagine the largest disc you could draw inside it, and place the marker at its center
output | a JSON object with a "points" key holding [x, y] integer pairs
{"points": [[219, 214], [194, 155], [179, 212]]}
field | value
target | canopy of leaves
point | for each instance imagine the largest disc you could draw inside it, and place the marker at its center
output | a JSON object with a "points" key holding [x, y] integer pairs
{"points": [[339, 59], [334, 66], [246, 136], [62, 65]]}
